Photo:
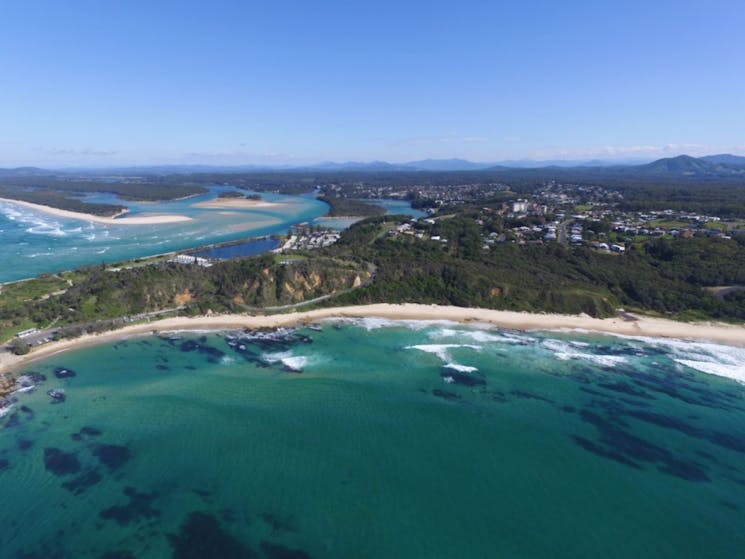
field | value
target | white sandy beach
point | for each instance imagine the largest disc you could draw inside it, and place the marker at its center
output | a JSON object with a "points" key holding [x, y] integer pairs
{"points": [[650, 327], [234, 204], [135, 220]]}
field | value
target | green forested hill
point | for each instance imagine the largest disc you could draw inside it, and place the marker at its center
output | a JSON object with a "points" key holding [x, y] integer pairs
{"points": [[662, 275]]}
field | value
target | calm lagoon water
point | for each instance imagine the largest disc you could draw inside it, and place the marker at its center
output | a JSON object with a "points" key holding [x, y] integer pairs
{"points": [[372, 438], [392, 207], [245, 248]]}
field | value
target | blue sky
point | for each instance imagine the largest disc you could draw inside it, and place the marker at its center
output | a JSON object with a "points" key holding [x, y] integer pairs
{"points": [[226, 82]]}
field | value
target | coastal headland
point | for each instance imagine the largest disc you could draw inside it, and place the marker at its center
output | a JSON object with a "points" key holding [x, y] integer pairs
{"points": [[641, 326]]}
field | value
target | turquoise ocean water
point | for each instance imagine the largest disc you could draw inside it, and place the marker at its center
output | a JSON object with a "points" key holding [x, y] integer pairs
{"points": [[372, 438], [35, 242]]}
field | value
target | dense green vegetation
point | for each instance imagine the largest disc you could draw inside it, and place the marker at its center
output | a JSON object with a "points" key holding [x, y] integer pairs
{"points": [[147, 189], [97, 293], [60, 200], [344, 207], [662, 275]]}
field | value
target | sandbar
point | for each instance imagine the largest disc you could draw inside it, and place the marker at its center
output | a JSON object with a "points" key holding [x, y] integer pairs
{"points": [[153, 219], [234, 204], [644, 326]]}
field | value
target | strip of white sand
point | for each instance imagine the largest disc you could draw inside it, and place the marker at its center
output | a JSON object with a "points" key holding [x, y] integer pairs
{"points": [[234, 204], [135, 220], [648, 327]]}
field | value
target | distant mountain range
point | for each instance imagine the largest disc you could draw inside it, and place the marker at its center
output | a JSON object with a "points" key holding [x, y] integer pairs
{"points": [[725, 166]]}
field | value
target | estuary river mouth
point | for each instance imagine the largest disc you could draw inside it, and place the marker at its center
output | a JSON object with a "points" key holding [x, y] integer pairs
{"points": [[39, 242], [377, 438]]}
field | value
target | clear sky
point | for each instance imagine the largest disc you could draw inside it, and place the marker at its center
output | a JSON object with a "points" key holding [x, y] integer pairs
{"points": [[98, 82]]}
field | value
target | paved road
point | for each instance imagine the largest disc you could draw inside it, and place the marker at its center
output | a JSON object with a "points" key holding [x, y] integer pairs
{"points": [[48, 334]]}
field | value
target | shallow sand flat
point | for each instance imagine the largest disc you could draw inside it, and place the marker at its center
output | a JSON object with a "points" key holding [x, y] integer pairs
{"points": [[650, 327], [137, 220], [234, 204]]}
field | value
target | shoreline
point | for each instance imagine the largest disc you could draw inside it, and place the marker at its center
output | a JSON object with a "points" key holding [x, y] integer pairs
{"points": [[136, 220], [643, 327]]}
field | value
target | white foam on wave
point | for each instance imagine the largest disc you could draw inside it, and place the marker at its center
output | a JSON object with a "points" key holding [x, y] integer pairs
{"points": [[734, 372], [484, 335], [5, 410], [442, 351], [293, 362], [375, 323], [39, 223], [706, 357], [461, 368], [566, 351]]}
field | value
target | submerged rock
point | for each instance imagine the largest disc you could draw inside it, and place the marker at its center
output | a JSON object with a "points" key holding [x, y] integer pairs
{"points": [[451, 375], [279, 551], [112, 455], [60, 463], [57, 395], [445, 394], [117, 554], [62, 372], [138, 507], [79, 484], [202, 536]]}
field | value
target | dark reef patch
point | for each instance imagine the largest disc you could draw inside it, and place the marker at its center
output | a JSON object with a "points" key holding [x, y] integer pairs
{"points": [[117, 554], [79, 484], [621, 446], [138, 507], [464, 379], [278, 551], [530, 396], [201, 346], [625, 388], [685, 388], [202, 536], [91, 432], [57, 395], [62, 372], [445, 394], [60, 463], [278, 523], [206, 496], [600, 451], [24, 444], [87, 432], [4, 464], [111, 455], [14, 420], [725, 440]]}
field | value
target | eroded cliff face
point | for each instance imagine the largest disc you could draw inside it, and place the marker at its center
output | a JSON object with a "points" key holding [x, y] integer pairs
{"points": [[234, 286], [300, 281]]}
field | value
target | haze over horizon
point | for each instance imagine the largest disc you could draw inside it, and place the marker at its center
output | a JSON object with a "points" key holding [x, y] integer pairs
{"points": [[93, 84]]}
